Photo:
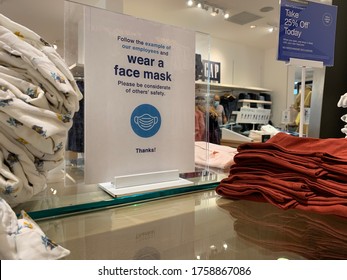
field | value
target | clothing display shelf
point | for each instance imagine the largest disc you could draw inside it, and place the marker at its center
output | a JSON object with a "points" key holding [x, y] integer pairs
{"points": [[253, 112], [253, 116], [227, 87], [256, 110], [254, 101]]}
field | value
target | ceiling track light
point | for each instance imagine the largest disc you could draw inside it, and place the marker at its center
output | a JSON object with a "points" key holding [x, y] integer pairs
{"points": [[190, 3], [214, 12], [202, 5], [271, 27], [226, 14]]}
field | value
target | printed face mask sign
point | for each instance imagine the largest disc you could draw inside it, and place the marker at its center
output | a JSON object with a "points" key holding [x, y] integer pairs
{"points": [[139, 96], [145, 120]]}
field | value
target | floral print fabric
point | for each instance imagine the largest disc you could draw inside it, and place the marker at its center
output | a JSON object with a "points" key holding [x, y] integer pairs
{"points": [[22, 238], [38, 98]]}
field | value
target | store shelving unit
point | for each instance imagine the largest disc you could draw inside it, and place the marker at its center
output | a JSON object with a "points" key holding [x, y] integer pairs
{"points": [[245, 113], [228, 87]]}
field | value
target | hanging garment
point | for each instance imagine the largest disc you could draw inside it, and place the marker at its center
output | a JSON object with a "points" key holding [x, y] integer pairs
{"points": [[214, 131], [75, 141], [200, 126]]}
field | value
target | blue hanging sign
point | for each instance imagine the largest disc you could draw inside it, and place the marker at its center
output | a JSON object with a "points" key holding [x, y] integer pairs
{"points": [[307, 31]]}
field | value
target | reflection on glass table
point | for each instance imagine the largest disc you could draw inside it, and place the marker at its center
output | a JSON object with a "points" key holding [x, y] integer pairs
{"points": [[199, 226], [66, 192], [307, 234]]}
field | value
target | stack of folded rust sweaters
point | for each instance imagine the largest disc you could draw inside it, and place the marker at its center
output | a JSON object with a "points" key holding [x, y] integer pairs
{"points": [[291, 172]]}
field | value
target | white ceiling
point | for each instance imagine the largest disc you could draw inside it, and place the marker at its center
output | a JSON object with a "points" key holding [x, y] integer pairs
{"points": [[176, 12], [46, 17]]}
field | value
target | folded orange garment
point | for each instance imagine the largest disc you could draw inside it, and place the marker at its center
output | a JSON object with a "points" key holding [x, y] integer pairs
{"points": [[331, 148], [319, 186], [307, 162], [291, 172], [299, 190], [291, 163], [311, 166], [264, 192]]}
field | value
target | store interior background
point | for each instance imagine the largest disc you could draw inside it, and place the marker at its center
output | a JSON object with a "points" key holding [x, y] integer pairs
{"points": [[247, 56]]}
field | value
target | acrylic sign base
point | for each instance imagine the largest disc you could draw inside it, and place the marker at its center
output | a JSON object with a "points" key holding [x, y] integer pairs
{"points": [[145, 182]]}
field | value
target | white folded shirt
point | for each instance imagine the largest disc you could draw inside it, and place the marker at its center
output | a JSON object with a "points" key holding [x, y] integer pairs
{"points": [[23, 239]]}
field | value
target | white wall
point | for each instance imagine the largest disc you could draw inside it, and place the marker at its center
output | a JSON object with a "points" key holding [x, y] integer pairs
{"points": [[240, 65], [276, 79]]}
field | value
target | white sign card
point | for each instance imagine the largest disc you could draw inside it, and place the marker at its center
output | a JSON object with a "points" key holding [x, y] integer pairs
{"points": [[139, 96]]}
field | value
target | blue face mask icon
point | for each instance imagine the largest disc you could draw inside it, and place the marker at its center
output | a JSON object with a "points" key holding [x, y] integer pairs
{"points": [[145, 120], [216, 103]]}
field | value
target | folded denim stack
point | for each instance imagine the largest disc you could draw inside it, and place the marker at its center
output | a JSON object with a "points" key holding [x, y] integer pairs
{"points": [[291, 172]]}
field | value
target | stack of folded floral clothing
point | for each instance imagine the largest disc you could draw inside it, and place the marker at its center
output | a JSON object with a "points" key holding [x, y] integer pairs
{"points": [[291, 172], [38, 98]]}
